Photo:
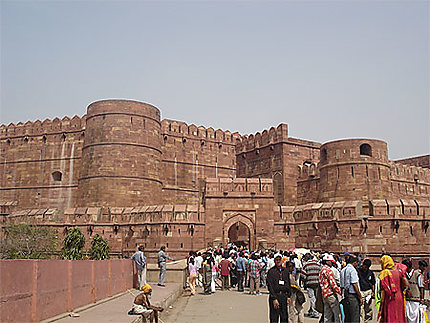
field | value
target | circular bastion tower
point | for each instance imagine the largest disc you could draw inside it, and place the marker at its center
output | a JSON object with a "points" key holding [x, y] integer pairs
{"points": [[121, 155], [354, 169]]}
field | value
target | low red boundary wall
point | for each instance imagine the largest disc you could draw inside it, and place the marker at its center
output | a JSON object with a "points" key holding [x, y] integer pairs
{"points": [[33, 290]]}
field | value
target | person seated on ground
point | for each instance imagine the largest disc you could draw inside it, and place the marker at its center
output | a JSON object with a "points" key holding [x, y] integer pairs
{"points": [[142, 305]]}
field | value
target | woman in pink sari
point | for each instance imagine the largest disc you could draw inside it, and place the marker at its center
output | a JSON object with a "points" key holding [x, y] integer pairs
{"points": [[393, 282]]}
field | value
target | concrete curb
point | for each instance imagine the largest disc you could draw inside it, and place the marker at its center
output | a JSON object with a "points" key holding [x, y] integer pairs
{"points": [[165, 303], [83, 308]]}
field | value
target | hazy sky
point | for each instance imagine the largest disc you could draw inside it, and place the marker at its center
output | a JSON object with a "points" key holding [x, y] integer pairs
{"points": [[330, 69]]}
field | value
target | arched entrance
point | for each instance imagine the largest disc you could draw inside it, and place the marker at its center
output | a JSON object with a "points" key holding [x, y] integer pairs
{"points": [[239, 234], [239, 228]]}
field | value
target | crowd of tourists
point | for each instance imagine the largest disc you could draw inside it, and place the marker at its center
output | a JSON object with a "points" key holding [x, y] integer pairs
{"points": [[340, 288]]}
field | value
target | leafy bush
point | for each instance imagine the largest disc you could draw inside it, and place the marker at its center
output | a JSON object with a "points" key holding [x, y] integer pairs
{"points": [[24, 241], [73, 245], [99, 248]]}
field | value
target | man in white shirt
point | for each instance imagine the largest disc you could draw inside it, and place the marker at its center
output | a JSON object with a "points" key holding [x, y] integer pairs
{"points": [[199, 260]]}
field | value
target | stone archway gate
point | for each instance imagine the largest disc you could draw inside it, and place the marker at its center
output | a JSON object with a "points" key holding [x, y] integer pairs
{"points": [[247, 218]]}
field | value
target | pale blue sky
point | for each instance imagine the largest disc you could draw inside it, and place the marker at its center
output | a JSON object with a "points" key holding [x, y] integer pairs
{"points": [[330, 69]]}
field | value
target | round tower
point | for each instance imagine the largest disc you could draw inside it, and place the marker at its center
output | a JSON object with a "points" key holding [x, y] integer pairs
{"points": [[121, 155], [354, 169]]}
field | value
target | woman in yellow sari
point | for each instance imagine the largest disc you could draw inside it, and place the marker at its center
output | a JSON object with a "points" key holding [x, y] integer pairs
{"points": [[392, 283]]}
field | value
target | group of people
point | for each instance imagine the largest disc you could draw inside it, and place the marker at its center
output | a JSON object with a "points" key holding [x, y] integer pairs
{"points": [[141, 304], [141, 265], [340, 288], [228, 268]]}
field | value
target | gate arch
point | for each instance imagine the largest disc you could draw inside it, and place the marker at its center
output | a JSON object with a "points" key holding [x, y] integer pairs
{"points": [[239, 218]]}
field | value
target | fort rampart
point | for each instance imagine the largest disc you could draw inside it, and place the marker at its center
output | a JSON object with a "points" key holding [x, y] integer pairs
{"points": [[122, 172]]}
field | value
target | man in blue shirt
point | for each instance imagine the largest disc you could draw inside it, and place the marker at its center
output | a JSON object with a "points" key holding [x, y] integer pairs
{"points": [[140, 261], [240, 267], [351, 291], [162, 259]]}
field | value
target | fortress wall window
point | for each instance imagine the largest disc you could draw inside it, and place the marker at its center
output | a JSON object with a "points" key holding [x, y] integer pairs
{"points": [[366, 150], [352, 171], [57, 176]]}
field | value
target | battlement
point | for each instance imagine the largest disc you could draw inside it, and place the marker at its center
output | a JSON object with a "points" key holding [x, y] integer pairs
{"points": [[46, 126], [179, 128], [267, 137], [420, 161], [261, 186], [410, 173], [394, 208], [115, 215]]}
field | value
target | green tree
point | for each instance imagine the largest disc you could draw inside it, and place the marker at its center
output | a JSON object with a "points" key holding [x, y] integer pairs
{"points": [[24, 241], [99, 248], [73, 245]]}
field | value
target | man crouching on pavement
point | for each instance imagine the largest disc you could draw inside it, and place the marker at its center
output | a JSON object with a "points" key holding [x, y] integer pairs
{"points": [[143, 307]]}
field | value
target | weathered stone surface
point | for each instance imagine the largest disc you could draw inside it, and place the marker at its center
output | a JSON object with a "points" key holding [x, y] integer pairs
{"points": [[121, 172]]}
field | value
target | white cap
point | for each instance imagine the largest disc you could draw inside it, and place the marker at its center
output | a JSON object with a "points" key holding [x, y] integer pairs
{"points": [[277, 255], [329, 257]]}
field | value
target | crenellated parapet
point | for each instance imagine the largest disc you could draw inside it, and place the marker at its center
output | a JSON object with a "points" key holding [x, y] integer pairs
{"points": [[403, 172], [181, 129], [45, 127], [420, 161], [265, 138]]}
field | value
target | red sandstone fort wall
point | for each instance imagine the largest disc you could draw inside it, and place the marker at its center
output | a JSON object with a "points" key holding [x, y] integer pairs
{"points": [[345, 174], [401, 227], [179, 227], [420, 161], [30, 155], [245, 200], [337, 196], [272, 154], [121, 155], [191, 154]]}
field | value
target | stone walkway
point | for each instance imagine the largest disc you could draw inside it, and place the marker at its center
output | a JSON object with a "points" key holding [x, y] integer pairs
{"points": [[115, 309], [223, 306]]}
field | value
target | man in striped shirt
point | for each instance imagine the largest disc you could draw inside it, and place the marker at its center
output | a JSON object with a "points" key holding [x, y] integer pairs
{"points": [[330, 291], [311, 270]]}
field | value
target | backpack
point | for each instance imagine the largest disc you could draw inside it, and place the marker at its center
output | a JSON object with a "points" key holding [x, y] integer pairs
{"points": [[300, 297]]}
